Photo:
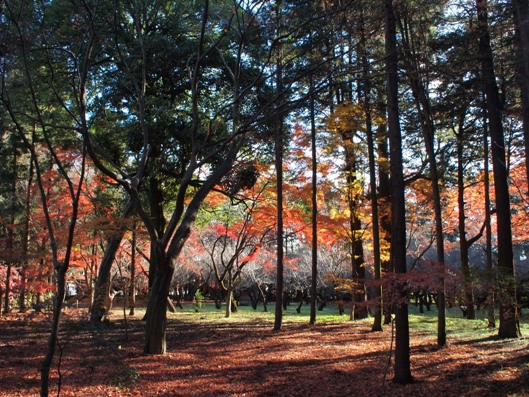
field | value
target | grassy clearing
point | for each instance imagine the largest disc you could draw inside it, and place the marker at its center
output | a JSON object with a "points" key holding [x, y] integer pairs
{"points": [[423, 325]]}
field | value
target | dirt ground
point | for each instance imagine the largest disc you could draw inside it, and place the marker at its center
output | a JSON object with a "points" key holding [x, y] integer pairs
{"points": [[233, 358]]}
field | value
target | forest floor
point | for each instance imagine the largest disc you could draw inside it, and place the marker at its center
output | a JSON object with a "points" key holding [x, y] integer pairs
{"points": [[209, 355]]}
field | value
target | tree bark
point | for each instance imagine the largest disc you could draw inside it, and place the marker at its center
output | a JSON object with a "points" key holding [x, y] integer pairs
{"points": [[398, 227], [384, 203], [425, 115], [509, 324], [521, 37], [278, 318], [377, 321], [133, 271], [45, 365], [491, 280], [463, 242], [314, 219], [156, 314], [102, 299]]}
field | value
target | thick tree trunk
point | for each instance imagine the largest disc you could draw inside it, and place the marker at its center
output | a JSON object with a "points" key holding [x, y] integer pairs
{"points": [[398, 227], [156, 314], [509, 325]]}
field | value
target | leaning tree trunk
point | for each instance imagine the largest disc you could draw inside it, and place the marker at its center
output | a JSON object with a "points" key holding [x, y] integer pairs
{"points": [[509, 325], [102, 298]]}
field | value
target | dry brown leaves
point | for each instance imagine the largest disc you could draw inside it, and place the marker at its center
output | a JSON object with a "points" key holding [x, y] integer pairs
{"points": [[248, 359]]}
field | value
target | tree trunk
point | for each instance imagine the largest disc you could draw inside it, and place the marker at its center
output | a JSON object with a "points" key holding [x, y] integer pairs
{"points": [[25, 235], [278, 318], [491, 281], [384, 201], [463, 242], [7, 305], [314, 219], [377, 321], [45, 365], [425, 115], [156, 314], [132, 290], [398, 227], [509, 325], [102, 298], [229, 297], [521, 37]]}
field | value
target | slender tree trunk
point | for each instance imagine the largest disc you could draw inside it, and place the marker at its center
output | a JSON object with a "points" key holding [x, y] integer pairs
{"points": [[7, 305], [377, 321], [45, 365], [279, 170], [509, 324], [229, 295], [25, 235], [314, 269], [491, 280], [384, 201], [133, 271], [11, 233], [398, 227], [428, 131], [521, 36], [463, 242]]}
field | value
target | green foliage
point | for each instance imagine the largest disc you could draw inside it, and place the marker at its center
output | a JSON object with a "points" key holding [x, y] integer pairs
{"points": [[199, 301]]}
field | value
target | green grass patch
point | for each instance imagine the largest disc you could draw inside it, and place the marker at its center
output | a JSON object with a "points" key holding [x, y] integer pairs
{"points": [[421, 324]]}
